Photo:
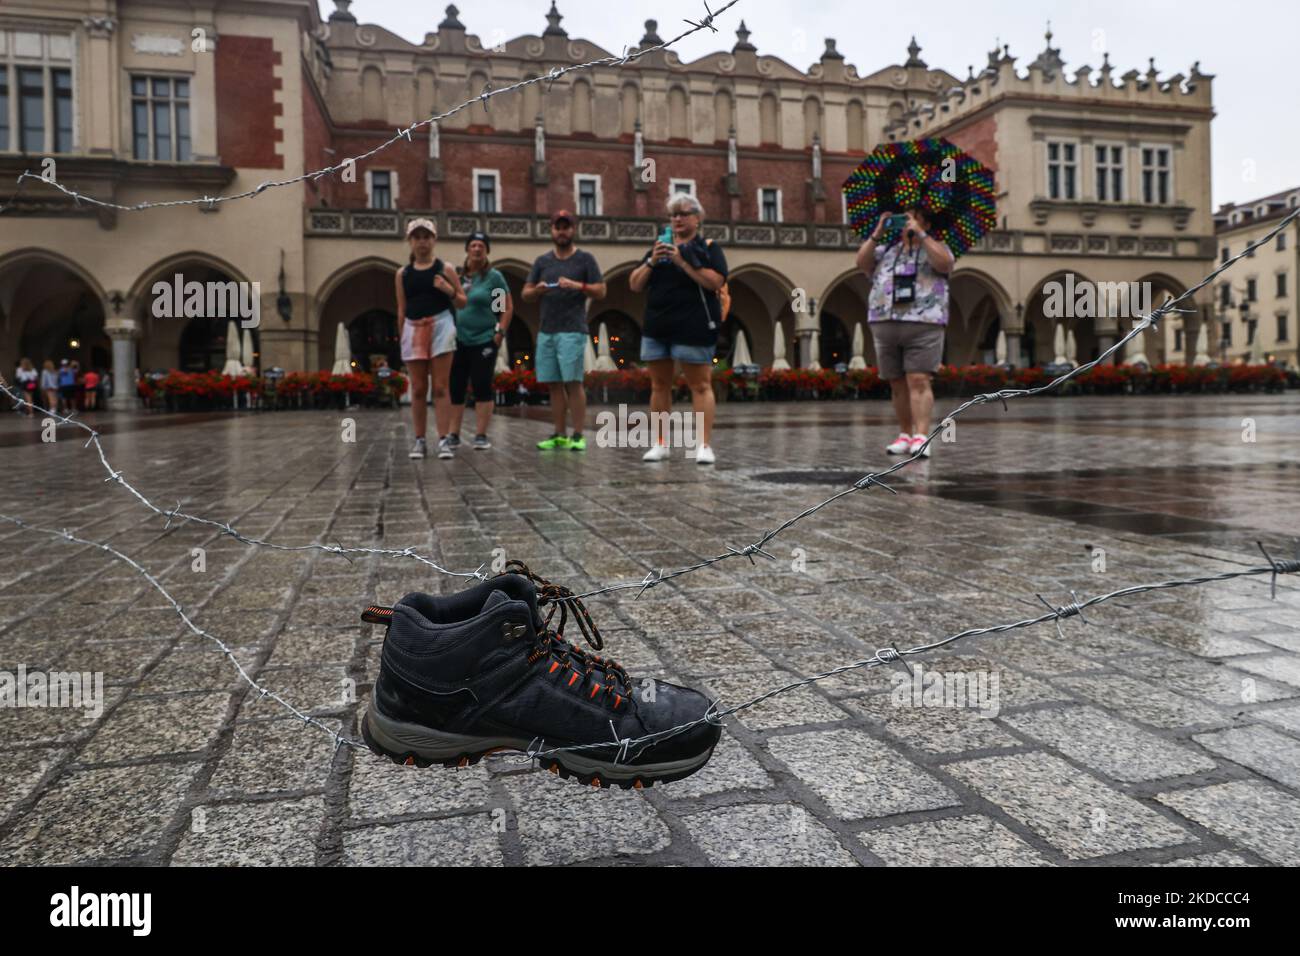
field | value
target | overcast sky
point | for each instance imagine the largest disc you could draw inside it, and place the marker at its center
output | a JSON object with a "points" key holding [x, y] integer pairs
{"points": [[1248, 46]]}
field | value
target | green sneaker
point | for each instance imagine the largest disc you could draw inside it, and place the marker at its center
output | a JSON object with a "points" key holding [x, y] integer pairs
{"points": [[578, 443], [555, 441]]}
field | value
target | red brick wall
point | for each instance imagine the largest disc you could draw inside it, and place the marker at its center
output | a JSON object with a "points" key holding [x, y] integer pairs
{"points": [[246, 107], [315, 138], [980, 139], [610, 162]]}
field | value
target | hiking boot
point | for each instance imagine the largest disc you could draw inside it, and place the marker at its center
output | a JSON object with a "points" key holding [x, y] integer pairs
{"points": [[468, 674]]}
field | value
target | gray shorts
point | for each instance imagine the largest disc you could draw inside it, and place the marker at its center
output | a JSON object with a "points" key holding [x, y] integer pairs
{"points": [[906, 347]]}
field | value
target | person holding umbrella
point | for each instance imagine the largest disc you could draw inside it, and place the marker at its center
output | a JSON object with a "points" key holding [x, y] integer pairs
{"points": [[947, 202], [907, 312]]}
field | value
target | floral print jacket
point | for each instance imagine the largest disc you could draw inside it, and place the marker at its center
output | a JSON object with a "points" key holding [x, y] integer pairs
{"points": [[931, 302]]}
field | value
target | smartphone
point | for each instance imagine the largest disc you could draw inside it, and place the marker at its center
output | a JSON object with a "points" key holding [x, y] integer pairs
{"points": [[666, 237], [895, 222]]}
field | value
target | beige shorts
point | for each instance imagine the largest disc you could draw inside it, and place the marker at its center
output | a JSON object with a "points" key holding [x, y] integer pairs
{"points": [[906, 347], [422, 339]]}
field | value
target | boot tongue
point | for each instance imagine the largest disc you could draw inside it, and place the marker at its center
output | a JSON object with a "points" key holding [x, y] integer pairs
{"points": [[519, 589], [495, 598]]}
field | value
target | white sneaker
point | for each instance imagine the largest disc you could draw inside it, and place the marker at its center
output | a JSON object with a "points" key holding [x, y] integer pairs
{"points": [[445, 449], [704, 455], [418, 449], [900, 445], [918, 444], [656, 453]]}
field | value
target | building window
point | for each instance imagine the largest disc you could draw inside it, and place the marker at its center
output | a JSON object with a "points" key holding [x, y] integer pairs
{"points": [[160, 118], [380, 188], [1110, 172], [1250, 332], [487, 190], [1062, 170], [1281, 328], [31, 109], [1178, 340], [1281, 285], [676, 186], [587, 198], [1281, 242], [769, 204], [1225, 255], [1225, 295], [1227, 332], [1251, 295], [1156, 172]]}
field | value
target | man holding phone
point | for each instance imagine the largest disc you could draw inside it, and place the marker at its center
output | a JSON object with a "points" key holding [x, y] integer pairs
{"points": [[564, 279], [907, 312]]}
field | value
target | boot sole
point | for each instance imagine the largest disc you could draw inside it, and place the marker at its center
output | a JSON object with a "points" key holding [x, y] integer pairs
{"points": [[420, 746]]}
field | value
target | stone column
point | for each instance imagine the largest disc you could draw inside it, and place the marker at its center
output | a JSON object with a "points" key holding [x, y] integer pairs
{"points": [[1013, 350], [122, 331], [1104, 341]]}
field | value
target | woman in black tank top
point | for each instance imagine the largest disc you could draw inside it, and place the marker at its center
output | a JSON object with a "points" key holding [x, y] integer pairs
{"points": [[427, 289]]}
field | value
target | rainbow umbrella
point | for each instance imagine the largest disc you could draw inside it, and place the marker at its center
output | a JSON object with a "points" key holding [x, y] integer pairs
{"points": [[954, 188]]}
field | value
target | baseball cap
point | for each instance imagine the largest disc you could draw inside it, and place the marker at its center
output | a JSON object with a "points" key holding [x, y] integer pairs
{"points": [[481, 237], [421, 223], [562, 214]]}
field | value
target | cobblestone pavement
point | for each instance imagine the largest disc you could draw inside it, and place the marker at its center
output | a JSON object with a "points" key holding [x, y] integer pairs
{"points": [[1164, 731]]}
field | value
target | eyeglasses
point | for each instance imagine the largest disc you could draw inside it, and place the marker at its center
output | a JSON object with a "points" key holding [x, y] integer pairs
{"points": [[683, 213]]}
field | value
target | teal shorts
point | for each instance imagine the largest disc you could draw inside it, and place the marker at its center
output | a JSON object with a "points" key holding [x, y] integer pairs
{"points": [[559, 356]]}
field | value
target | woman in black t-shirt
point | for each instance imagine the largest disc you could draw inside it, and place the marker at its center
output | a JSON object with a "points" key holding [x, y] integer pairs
{"points": [[682, 319]]}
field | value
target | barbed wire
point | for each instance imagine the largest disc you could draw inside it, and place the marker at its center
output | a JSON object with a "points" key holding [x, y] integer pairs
{"points": [[66, 535], [403, 133], [892, 654], [658, 576], [225, 527], [714, 714]]}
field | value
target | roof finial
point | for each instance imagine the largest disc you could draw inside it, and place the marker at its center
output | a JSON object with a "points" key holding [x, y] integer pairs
{"points": [[742, 38], [913, 49], [553, 28]]}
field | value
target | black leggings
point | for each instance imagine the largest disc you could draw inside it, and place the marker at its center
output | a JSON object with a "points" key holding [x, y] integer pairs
{"points": [[473, 365]]}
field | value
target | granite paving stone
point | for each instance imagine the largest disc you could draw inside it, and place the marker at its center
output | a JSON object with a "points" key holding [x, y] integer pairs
{"points": [[1192, 694]]}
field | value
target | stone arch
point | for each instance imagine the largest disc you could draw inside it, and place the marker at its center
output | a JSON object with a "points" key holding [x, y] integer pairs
{"points": [[1037, 344], [723, 115], [162, 340], [812, 120], [47, 303], [1159, 343], [844, 300], [856, 127], [629, 108], [769, 119], [582, 107], [361, 289], [977, 305], [678, 116], [760, 297], [372, 92]]}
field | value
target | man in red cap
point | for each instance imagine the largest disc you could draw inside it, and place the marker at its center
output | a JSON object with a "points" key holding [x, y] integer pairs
{"points": [[564, 280]]}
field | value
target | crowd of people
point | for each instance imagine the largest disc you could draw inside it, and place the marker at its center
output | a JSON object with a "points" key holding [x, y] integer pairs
{"points": [[64, 389], [452, 322]]}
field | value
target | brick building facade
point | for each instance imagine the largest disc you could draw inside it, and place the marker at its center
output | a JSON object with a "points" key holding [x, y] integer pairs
{"points": [[175, 100]]}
